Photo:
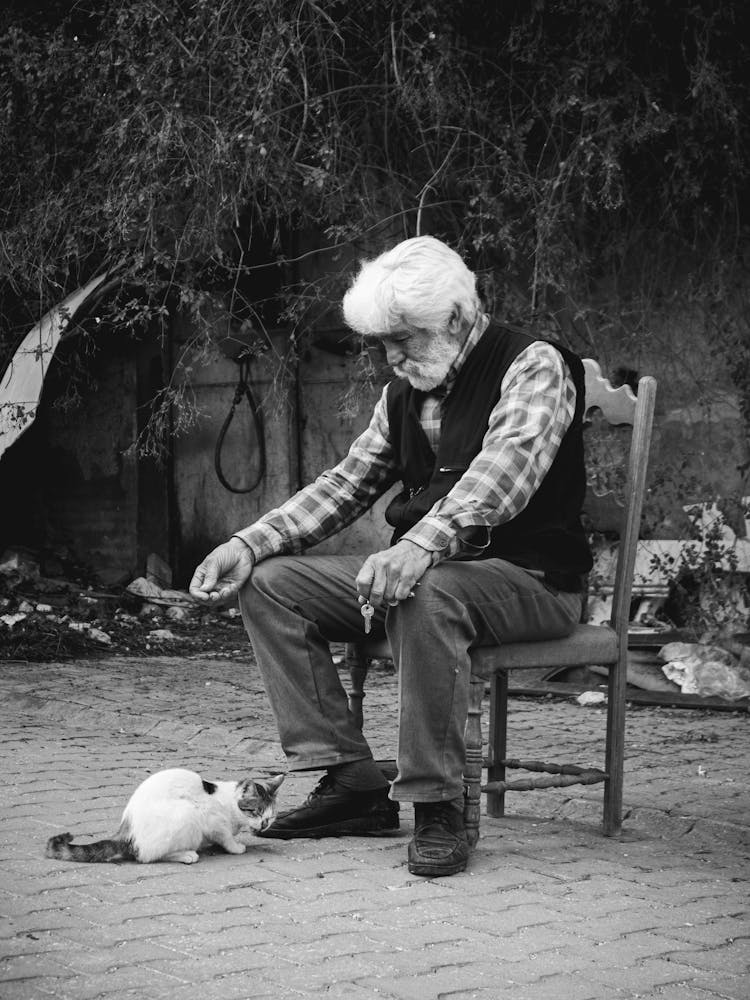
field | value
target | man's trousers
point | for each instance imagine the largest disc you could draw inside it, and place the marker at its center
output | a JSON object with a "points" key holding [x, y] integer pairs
{"points": [[293, 606]]}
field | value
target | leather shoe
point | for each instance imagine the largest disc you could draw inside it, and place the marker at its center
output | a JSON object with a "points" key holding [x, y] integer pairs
{"points": [[330, 811], [439, 846]]}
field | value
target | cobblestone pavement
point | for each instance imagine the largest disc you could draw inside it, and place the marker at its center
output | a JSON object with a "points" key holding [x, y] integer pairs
{"points": [[548, 908]]}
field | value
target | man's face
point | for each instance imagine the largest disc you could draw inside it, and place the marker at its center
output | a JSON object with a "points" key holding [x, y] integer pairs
{"points": [[421, 356]]}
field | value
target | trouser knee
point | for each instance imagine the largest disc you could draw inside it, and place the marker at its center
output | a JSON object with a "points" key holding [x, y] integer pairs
{"points": [[266, 580]]}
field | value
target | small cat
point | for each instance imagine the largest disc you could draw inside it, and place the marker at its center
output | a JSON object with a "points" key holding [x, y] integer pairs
{"points": [[175, 813]]}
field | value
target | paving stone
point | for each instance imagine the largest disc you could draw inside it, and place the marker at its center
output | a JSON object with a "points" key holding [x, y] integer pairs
{"points": [[559, 987], [714, 932], [547, 909], [683, 991], [720, 985], [728, 957], [639, 976]]}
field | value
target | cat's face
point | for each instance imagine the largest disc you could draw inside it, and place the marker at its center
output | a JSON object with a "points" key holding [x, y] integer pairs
{"points": [[257, 800]]}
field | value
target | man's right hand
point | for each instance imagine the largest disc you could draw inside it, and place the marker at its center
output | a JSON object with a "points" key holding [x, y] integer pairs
{"points": [[222, 573]]}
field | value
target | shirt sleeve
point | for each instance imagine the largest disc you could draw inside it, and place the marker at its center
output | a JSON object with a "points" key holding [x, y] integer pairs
{"points": [[335, 499], [524, 432]]}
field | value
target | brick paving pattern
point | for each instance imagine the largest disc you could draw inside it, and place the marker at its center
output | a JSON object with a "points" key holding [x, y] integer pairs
{"points": [[548, 908]]}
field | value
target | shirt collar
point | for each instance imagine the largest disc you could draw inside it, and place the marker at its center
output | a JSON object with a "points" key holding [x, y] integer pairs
{"points": [[472, 339]]}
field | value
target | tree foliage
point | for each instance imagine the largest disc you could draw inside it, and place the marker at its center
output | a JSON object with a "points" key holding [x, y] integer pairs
{"points": [[581, 153]]}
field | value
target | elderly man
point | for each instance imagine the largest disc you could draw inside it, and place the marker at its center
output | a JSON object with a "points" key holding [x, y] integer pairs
{"points": [[482, 427]]}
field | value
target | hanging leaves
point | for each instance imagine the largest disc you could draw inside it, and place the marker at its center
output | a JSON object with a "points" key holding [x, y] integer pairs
{"points": [[213, 148]]}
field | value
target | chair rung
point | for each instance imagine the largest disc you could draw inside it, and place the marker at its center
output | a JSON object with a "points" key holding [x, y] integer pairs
{"points": [[540, 765], [592, 777]]}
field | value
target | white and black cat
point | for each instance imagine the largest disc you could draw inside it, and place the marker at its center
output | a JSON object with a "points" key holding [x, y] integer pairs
{"points": [[175, 813]]}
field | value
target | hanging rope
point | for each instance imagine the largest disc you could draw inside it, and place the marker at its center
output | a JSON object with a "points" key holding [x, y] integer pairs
{"points": [[242, 390]]}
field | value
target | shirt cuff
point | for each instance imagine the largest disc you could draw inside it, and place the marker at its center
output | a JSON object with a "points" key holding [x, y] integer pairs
{"points": [[428, 536], [464, 543], [263, 540]]}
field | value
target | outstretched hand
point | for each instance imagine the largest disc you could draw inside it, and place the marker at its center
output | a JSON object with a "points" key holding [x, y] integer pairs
{"points": [[390, 576], [222, 573]]}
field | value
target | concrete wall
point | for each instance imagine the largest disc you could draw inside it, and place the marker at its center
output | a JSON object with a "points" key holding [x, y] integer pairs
{"points": [[304, 431], [206, 513]]}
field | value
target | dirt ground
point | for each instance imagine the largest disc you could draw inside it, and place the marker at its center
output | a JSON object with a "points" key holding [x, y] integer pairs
{"points": [[46, 619]]}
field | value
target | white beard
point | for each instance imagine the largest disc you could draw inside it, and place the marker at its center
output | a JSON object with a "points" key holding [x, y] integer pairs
{"points": [[433, 367]]}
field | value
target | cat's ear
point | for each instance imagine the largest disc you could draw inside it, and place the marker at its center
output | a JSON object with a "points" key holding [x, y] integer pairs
{"points": [[259, 786], [267, 786]]}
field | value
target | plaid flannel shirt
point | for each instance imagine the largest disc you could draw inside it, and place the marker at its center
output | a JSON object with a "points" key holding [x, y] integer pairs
{"points": [[523, 434]]}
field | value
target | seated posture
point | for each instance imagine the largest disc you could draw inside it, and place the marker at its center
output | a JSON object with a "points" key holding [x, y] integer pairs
{"points": [[482, 428]]}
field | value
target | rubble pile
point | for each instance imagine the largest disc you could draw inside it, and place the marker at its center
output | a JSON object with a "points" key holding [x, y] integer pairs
{"points": [[708, 670], [46, 618]]}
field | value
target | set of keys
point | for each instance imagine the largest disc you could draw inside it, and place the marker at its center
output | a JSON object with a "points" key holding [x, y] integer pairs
{"points": [[367, 611]]}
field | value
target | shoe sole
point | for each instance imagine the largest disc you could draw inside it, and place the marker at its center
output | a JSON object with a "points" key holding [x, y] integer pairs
{"points": [[360, 826], [435, 871]]}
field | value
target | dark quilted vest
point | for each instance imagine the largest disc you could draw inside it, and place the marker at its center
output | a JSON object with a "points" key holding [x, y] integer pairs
{"points": [[547, 535]]}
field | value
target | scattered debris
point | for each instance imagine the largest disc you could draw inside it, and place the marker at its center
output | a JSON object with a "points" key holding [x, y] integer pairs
{"points": [[178, 614], [11, 620], [60, 617], [591, 698], [705, 670], [156, 594], [17, 567], [95, 634], [162, 635]]}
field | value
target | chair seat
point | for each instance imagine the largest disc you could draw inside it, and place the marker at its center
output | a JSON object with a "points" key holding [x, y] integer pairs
{"points": [[588, 644]]}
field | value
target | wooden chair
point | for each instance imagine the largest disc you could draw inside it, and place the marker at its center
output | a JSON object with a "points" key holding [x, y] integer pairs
{"points": [[601, 645]]}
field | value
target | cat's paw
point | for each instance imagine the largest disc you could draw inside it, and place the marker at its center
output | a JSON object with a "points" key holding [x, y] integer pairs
{"points": [[184, 857], [235, 848]]}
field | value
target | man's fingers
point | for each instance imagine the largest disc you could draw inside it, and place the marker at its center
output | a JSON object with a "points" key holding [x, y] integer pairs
{"points": [[379, 591], [364, 579], [403, 590], [390, 577], [203, 582], [222, 573], [196, 584]]}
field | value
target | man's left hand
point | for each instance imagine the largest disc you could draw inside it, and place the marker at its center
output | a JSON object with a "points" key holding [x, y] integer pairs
{"points": [[390, 576]]}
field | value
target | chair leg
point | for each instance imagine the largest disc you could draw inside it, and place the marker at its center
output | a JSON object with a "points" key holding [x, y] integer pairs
{"points": [[357, 664], [615, 749], [474, 761], [498, 737]]}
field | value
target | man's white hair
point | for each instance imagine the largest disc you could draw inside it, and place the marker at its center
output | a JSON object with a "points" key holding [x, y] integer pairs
{"points": [[419, 282]]}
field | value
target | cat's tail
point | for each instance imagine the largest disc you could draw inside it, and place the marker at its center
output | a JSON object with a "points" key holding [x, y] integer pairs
{"points": [[61, 848]]}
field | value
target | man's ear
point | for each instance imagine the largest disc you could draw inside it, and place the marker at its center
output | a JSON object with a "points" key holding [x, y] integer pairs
{"points": [[456, 322]]}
